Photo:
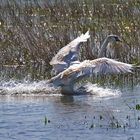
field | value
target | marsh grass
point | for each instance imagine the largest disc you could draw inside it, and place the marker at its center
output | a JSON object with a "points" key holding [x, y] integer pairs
{"points": [[33, 31]]}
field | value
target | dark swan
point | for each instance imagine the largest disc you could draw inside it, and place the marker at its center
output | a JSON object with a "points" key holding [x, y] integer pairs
{"points": [[75, 70]]}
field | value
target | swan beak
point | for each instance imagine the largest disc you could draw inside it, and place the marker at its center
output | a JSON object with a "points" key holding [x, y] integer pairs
{"points": [[118, 39]]}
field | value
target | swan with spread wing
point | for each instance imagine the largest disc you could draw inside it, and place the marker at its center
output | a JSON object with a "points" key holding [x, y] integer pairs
{"points": [[76, 70], [100, 66]]}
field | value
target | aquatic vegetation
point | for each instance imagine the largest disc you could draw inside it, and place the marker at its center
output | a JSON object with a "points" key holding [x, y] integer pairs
{"points": [[46, 120], [32, 32], [137, 106]]}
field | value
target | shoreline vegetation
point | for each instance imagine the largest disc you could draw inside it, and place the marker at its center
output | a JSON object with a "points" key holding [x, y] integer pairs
{"points": [[32, 31]]}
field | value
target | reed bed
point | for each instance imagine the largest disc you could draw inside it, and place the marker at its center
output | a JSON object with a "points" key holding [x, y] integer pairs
{"points": [[32, 31]]}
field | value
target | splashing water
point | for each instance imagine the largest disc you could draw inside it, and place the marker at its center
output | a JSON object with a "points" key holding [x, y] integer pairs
{"points": [[103, 92], [26, 87]]}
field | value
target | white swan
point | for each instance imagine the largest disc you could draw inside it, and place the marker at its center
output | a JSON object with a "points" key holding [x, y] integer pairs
{"points": [[100, 66], [74, 70]]}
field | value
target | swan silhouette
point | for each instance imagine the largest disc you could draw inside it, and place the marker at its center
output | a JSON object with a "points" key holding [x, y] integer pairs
{"points": [[69, 69]]}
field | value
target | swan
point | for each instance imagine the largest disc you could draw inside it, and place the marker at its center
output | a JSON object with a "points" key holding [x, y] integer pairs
{"points": [[74, 70], [101, 66]]}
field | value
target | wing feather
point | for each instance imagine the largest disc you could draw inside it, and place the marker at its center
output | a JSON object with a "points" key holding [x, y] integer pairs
{"points": [[101, 66], [68, 54], [63, 53]]}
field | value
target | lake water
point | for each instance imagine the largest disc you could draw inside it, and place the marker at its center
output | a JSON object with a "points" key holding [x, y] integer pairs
{"points": [[36, 111]]}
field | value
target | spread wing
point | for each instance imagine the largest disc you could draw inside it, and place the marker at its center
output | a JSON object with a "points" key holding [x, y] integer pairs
{"points": [[101, 66], [68, 54], [71, 47]]}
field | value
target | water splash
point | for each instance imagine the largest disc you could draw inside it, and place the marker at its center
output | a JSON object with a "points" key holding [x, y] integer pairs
{"points": [[99, 91], [27, 87], [13, 87]]}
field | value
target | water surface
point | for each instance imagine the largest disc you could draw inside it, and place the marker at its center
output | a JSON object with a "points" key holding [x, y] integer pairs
{"points": [[27, 113]]}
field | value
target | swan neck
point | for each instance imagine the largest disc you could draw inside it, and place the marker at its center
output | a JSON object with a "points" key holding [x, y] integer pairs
{"points": [[103, 48]]}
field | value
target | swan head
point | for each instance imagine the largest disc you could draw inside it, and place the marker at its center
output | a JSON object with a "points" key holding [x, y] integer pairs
{"points": [[114, 38]]}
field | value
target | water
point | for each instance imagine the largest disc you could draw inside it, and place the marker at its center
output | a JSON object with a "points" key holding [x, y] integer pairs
{"points": [[36, 111]]}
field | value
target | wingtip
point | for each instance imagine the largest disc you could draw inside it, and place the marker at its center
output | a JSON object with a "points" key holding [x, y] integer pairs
{"points": [[83, 37], [135, 67], [87, 33]]}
